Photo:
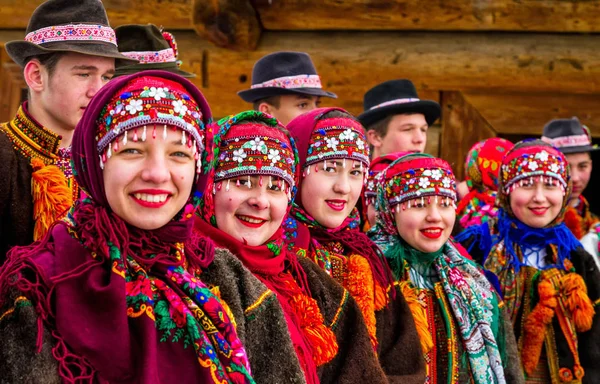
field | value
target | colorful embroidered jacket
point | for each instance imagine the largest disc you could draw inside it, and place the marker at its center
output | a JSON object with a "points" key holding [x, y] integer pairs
{"points": [[253, 306], [36, 181], [580, 219], [390, 324], [564, 353]]}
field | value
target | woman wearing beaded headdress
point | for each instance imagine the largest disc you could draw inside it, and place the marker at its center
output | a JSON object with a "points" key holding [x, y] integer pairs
{"points": [[551, 286], [464, 335], [323, 225], [249, 192], [117, 293]]}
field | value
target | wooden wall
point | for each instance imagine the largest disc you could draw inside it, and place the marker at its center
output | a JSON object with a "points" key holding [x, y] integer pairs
{"points": [[497, 67]]}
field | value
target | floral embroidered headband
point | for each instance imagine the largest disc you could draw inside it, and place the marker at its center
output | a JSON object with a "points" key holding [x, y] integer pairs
{"points": [[253, 143], [337, 138], [150, 101], [534, 161], [417, 176]]}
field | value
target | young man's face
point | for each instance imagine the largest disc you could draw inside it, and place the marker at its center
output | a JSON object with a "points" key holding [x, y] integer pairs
{"points": [[581, 171], [66, 93], [404, 133], [291, 106]]}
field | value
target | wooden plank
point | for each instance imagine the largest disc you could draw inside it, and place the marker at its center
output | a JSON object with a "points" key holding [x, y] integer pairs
{"points": [[462, 126], [229, 24], [13, 84], [455, 15], [526, 114], [505, 62], [171, 14]]}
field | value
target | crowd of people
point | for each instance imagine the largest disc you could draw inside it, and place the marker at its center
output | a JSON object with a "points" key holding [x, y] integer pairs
{"points": [[141, 241]]}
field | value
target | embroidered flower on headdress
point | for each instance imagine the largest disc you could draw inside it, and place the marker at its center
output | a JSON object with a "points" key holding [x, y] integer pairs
{"points": [[554, 168], [532, 165], [274, 156], [447, 182], [543, 156], [134, 106], [257, 144], [360, 144], [179, 107], [332, 143], [239, 155], [347, 135], [436, 174], [424, 182], [157, 93]]}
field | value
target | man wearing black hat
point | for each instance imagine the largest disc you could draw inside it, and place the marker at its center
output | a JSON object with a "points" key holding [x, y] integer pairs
{"points": [[151, 47], [574, 140], [396, 119], [285, 85], [68, 53]]}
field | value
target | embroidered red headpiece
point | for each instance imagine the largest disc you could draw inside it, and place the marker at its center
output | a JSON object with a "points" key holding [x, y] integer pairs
{"points": [[483, 163], [245, 147], [416, 176], [532, 161], [338, 138], [149, 101]]}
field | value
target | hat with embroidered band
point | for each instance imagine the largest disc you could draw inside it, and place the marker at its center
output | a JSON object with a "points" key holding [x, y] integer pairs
{"points": [[569, 136], [284, 73], [153, 48], [67, 26], [396, 97]]}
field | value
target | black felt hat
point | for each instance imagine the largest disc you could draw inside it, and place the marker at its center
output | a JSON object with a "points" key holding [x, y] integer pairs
{"points": [[284, 73], [67, 26], [396, 97], [568, 135], [155, 49]]}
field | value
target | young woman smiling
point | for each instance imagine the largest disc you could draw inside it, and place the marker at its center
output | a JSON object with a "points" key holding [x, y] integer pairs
{"points": [[324, 226], [464, 335], [117, 293], [249, 192], [551, 286]]}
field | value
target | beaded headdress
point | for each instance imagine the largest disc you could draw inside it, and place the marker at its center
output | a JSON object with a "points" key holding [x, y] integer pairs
{"points": [[254, 143], [337, 138], [377, 165], [149, 106], [417, 176]]}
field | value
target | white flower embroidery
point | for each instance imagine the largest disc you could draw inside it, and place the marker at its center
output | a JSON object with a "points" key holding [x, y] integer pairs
{"points": [[360, 144], [424, 182], [256, 144], [178, 107], [332, 143], [274, 156], [347, 135], [542, 156], [157, 93], [134, 106], [532, 165], [427, 172], [239, 155], [446, 182], [436, 174], [554, 168]]}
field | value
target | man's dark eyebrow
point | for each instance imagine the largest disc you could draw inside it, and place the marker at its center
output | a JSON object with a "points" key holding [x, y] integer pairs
{"points": [[92, 68]]}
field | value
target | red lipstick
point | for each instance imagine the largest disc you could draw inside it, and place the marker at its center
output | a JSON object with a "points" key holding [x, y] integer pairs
{"points": [[249, 224], [336, 205], [432, 232]]}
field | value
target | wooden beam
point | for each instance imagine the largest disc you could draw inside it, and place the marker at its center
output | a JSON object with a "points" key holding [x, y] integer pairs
{"points": [[526, 114], [455, 15], [171, 14], [229, 24], [462, 126]]}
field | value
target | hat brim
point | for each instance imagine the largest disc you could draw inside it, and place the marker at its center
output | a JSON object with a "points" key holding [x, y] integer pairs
{"points": [[20, 50], [579, 149], [252, 95], [430, 109], [169, 67]]}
